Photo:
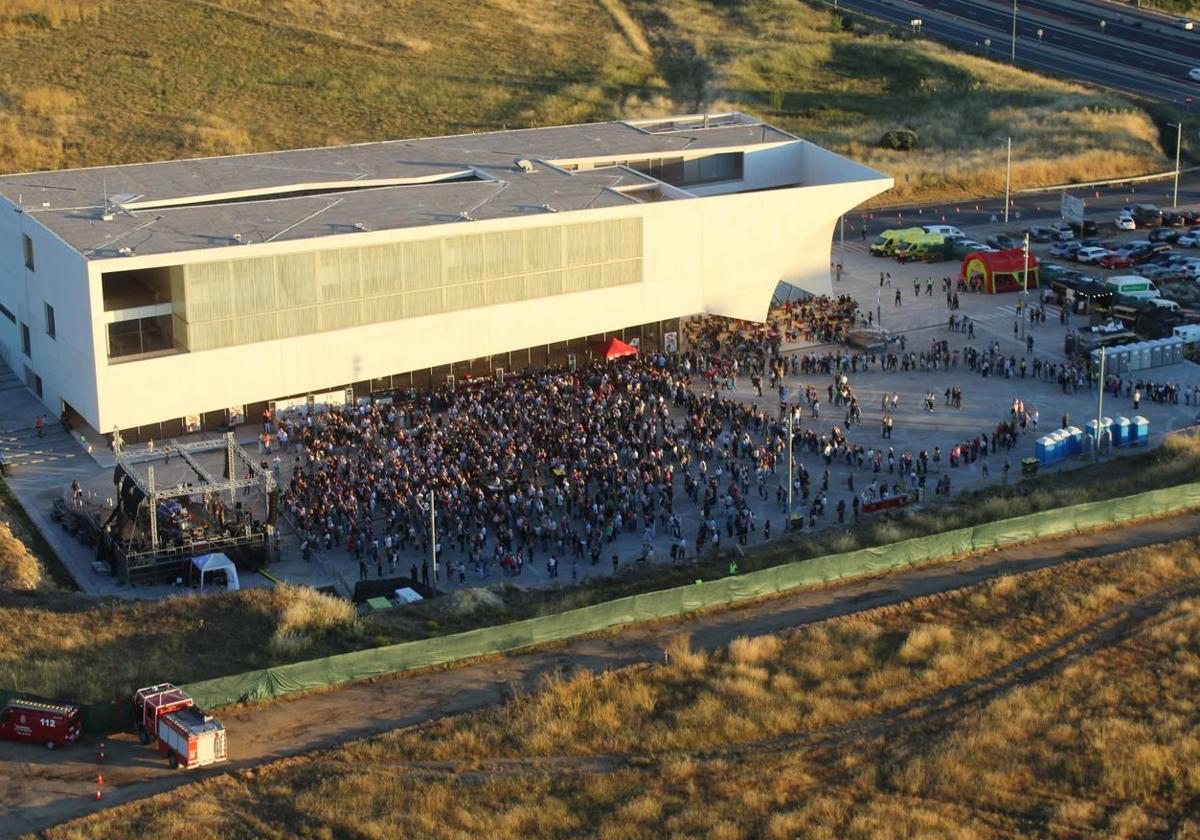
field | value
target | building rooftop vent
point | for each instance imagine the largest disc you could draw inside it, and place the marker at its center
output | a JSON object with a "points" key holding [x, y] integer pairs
{"points": [[524, 164]]}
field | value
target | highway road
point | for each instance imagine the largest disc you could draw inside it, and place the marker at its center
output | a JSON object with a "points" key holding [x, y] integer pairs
{"points": [[1132, 50], [1101, 203]]}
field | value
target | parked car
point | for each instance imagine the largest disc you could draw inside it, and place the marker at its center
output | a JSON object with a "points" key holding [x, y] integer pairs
{"points": [[1147, 252], [1115, 261], [1184, 23], [1063, 249], [1002, 241], [1172, 219], [1041, 233], [1188, 240], [1063, 231], [1125, 222], [1048, 271], [1194, 74], [1090, 228], [1164, 234], [1090, 255], [1144, 214]]}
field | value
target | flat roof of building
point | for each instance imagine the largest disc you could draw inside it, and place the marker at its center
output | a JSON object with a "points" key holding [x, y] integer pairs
{"points": [[184, 205]]}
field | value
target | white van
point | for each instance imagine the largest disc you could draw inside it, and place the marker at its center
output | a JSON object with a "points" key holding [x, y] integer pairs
{"points": [[948, 231], [1163, 303], [1131, 285]]}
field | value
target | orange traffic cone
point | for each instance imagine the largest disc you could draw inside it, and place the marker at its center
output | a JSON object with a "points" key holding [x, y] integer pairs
{"points": [[99, 779]]}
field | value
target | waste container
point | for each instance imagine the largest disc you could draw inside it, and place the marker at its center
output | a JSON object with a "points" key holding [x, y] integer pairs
{"points": [[1029, 466]]}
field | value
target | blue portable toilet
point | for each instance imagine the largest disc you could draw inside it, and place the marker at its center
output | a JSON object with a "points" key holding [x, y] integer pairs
{"points": [[1156, 352], [1176, 345], [1042, 450], [1090, 428], [1141, 430], [1075, 436], [1141, 356], [1123, 432], [1062, 443]]}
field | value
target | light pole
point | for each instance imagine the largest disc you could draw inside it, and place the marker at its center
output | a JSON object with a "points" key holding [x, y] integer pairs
{"points": [[433, 536], [842, 244], [1007, 179], [791, 412], [1099, 404], [1025, 289], [1013, 59], [1178, 145], [987, 47], [1103, 24]]}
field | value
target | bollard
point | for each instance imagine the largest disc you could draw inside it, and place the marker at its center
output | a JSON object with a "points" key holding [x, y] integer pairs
{"points": [[99, 796]]}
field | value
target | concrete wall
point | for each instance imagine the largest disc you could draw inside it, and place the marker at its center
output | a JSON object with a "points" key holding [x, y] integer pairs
{"points": [[65, 362]]}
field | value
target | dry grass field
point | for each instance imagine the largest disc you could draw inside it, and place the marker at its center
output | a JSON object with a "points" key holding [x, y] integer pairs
{"points": [[1058, 703], [87, 82]]}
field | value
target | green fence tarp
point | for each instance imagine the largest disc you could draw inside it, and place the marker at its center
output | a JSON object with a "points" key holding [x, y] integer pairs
{"points": [[351, 667], [360, 665]]}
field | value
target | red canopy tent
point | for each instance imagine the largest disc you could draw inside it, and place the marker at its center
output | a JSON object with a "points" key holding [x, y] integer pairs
{"points": [[613, 348], [1000, 271]]}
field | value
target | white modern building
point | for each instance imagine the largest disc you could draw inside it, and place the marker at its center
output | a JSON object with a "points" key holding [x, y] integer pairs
{"points": [[156, 297]]}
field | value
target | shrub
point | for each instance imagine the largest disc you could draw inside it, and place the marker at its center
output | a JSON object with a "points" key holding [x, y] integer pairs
{"points": [[899, 139], [18, 568], [305, 615]]}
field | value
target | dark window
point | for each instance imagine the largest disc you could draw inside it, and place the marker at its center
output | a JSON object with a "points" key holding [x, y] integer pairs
{"points": [[33, 381], [7, 313], [141, 336], [50, 321], [705, 170], [28, 243], [26, 341]]}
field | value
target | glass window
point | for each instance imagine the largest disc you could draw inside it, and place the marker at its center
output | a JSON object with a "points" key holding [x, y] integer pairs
{"points": [[28, 244], [50, 330], [26, 341], [141, 336]]}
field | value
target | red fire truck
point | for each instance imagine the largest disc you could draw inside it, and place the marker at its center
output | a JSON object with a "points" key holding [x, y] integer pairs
{"points": [[186, 735], [46, 722]]}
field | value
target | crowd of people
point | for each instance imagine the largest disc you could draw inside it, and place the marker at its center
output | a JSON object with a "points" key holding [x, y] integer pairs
{"points": [[554, 466]]}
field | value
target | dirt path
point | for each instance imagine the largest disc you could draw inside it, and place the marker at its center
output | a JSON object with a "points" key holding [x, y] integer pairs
{"points": [[39, 789]]}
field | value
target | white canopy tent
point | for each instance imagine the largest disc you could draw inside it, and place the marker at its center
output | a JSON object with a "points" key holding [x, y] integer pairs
{"points": [[206, 564]]}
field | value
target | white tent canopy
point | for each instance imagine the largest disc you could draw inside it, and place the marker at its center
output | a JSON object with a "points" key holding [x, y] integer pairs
{"points": [[206, 564]]}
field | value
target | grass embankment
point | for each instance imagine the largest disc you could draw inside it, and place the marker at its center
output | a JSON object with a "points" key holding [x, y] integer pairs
{"points": [[150, 79], [1056, 703], [27, 562], [74, 647], [818, 74]]}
